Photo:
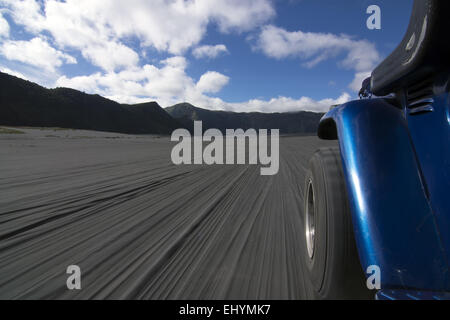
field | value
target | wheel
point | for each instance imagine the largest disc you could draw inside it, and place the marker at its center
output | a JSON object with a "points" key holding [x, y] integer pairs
{"points": [[330, 256]]}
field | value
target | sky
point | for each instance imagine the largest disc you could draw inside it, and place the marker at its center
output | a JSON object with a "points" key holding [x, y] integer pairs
{"points": [[237, 55]]}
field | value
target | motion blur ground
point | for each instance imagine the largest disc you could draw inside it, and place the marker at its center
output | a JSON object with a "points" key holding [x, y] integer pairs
{"points": [[140, 227]]}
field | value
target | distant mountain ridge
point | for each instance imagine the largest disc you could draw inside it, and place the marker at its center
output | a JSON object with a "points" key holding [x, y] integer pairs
{"points": [[300, 122], [23, 103]]}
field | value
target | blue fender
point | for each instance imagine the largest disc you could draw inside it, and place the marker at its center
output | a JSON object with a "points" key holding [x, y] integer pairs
{"points": [[395, 227]]}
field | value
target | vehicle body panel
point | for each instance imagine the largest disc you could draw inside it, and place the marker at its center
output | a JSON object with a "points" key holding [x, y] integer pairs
{"points": [[396, 225], [411, 295], [430, 133]]}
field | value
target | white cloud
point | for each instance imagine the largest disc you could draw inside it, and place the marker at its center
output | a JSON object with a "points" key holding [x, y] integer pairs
{"points": [[26, 13], [285, 104], [212, 82], [358, 80], [209, 51], [176, 62], [111, 56], [360, 55], [36, 52], [4, 27], [98, 28], [172, 26], [169, 84]]}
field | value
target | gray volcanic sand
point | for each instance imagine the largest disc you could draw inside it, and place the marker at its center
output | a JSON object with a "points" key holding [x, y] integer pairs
{"points": [[140, 227]]}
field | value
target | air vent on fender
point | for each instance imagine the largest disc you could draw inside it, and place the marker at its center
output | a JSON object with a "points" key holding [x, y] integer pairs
{"points": [[420, 97]]}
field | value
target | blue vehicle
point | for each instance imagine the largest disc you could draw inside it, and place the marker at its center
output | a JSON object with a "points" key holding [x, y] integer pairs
{"points": [[383, 197]]}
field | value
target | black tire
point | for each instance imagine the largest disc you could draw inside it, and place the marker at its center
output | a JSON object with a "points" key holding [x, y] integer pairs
{"points": [[332, 261]]}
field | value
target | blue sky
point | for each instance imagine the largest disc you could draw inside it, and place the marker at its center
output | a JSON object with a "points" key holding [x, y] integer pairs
{"points": [[240, 55]]}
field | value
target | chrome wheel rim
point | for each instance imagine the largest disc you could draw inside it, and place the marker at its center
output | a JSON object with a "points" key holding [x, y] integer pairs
{"points": [[310, 226]]}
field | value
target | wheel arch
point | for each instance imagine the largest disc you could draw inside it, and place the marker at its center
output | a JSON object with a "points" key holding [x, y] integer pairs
{"points": [[327, 129]]}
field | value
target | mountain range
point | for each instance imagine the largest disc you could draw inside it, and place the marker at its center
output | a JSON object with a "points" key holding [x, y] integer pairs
{"points": [[23, 103], [300, 122]]}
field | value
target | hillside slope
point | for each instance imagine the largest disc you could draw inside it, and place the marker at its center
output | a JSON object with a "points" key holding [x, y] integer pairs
{"points": [[23, 103], [289, 123]]}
